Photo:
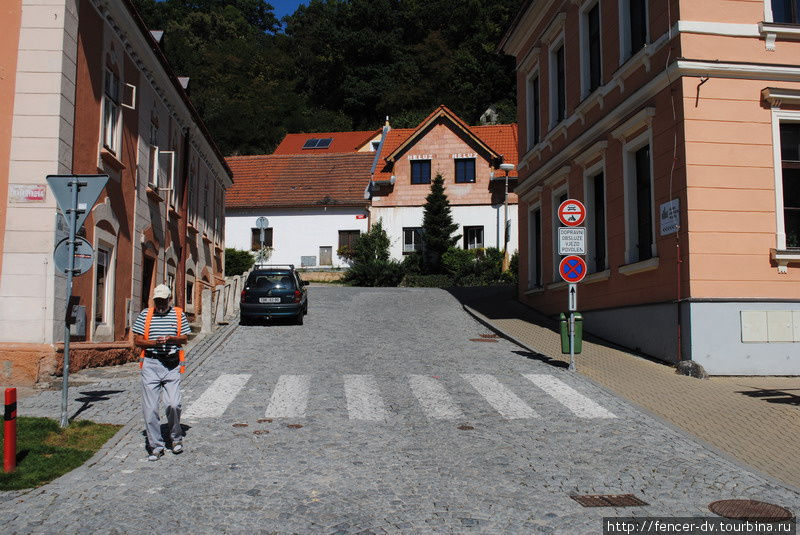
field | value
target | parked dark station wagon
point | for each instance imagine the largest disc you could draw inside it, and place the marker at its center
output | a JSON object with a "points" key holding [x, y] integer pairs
{"points": [[273, 291]]}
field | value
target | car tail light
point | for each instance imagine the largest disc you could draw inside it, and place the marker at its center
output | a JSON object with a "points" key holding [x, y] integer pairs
{"points": [[244, 295], [297, 296]]}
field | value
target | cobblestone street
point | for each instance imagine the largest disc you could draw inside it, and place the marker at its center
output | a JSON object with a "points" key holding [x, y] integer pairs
{"points": [[390, 410]]}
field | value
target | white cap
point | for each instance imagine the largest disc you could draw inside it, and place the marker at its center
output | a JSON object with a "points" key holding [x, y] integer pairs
{"points": [[162, 291]]}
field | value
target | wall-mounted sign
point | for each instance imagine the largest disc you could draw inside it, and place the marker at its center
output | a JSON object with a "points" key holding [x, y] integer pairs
{"points": [[361, 216], [461, 156], [572, 240], [421, 156], [670, 217], [27, 192]]}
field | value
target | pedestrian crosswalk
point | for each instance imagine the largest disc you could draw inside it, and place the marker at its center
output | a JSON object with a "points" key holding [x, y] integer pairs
{"points": [[364, 400]]}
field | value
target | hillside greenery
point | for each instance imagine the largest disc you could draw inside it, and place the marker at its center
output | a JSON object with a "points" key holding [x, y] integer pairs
{"points": [[334, 64]]}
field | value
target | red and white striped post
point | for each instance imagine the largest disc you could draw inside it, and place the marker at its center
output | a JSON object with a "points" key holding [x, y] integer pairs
{"points": [[10, 431]]}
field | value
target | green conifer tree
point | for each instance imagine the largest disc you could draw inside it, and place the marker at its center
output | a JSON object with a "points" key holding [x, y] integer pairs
{"points": [[437, 227]]}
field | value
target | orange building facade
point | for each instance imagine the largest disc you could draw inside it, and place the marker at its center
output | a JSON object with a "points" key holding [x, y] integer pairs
{"points": [[87, 90], [677, 123]]}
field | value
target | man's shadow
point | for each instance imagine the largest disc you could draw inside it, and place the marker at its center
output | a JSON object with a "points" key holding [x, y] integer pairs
{"points": [[91, 397], [543, 358]]}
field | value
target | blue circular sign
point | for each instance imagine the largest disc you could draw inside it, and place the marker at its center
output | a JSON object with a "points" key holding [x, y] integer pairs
{"points": [[572, 268]]}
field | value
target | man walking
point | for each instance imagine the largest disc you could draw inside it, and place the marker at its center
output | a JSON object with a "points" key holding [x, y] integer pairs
{"points": [[160, 331]]}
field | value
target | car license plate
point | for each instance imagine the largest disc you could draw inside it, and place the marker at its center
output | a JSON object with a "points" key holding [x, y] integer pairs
{"points": [[269, 300]]}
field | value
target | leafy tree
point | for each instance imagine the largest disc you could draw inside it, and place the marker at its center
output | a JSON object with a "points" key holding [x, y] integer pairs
{"points": [[370, 262], [437, 227], [237, 262]]}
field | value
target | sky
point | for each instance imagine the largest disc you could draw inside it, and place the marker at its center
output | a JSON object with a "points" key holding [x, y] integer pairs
{"points": [[285, 7]]}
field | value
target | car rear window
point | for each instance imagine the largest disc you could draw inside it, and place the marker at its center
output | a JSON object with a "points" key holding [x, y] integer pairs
{"points": [[271, 280]]}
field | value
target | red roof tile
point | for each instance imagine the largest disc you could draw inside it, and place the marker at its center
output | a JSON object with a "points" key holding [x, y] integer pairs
{"points": [[341, 142], [299, 180]]}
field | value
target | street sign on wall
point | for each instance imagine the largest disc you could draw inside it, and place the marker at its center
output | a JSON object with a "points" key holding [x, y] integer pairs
{"points": [[571, 212], [572, 240], [572, 269], [670, 217]]}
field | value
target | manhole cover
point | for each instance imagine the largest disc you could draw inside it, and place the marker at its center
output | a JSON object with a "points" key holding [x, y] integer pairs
{"points": [[608, 500], [466, 427], [750, 510], [239, 425], [260, 432], [483, 340], [294, 426], [264, 420]]}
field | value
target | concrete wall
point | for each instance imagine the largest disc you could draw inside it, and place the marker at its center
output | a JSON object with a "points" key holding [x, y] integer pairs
{"points": [[489, 217], [296, 232], [718, 346]]}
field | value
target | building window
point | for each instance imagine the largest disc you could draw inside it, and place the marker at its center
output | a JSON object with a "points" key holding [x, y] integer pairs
{"points": [[473, 237], [189, 292], [558, 197], [786, 11], [534, 112], [101, 286], [412, 239], [790, 171], [592, 50], [420, 171], [558, 85], [205, 206], [639, 208], [465, 170], [633, 27], [375, 145], [596, 222], [111, 113], [347, 238], [535, 248], [255, 241]]}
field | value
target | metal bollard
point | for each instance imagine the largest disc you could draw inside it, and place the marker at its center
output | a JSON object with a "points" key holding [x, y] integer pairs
{"points": [[10, 431]]}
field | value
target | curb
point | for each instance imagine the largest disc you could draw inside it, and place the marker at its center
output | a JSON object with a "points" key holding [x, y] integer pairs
{"points": [[644, 410]]}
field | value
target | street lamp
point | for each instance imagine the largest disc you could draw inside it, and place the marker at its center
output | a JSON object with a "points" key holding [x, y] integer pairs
{"points": [[506, 167]]}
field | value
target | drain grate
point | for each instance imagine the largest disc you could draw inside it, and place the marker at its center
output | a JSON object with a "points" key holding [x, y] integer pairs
{"points": [[751, 510], [264, 420], [608, 500], [260, 432], [486, 335], [466, 427], [483, 340], [239, 425], [294, 426]]}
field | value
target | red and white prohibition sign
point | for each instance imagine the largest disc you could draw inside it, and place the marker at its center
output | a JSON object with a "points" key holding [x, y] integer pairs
{"points": [[572, 212], [572, 269]]}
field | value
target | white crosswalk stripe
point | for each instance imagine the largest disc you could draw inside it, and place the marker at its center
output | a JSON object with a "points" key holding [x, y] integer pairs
{"points": [[290, 397], [500, 397], [433, 398], [364, 400], [216, 398], [580, 405]]}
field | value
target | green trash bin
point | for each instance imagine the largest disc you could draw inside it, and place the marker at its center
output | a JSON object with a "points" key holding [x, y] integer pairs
{"points": [[563, 320]]}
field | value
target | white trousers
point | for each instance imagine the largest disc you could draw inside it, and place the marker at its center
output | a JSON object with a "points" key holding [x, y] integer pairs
{"points": [[161, 383]]}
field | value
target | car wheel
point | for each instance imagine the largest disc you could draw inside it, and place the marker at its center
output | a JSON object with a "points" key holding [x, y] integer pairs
{"points": [[299, 319], [243, 321], [305, 309]]}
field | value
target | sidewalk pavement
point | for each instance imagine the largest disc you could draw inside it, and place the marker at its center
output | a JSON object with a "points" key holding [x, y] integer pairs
{"points": [[754, 420]]}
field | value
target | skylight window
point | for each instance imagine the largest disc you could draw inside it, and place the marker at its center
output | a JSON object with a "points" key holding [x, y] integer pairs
{"points": [[318, 143]]}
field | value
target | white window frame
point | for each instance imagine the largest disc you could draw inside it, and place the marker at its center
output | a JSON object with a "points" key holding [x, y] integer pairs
{"points": [[111, 126], [413, 246], [584, 45], [477, 245], [533, 75], [629, 179], [104, 331], [557, 43], [625, 29], [588, 200], [531, 248], [555, 223], [780, 117]]}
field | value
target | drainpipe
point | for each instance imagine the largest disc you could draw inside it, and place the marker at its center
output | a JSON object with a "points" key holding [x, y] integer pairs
{"points": [[180, 275]]}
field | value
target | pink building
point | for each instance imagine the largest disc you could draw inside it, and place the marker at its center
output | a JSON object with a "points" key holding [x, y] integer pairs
{"points": [[677, 123]]}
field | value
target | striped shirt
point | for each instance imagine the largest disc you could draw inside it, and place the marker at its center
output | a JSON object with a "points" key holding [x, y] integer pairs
{"points": [[162, 325]]}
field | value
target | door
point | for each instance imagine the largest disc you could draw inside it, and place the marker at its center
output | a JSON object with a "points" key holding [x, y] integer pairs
{"points": [[325, 256], [147, 280]]}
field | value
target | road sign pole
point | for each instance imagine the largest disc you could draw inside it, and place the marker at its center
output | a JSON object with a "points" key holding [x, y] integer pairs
{"points": [[572, 341], [72, 217]]}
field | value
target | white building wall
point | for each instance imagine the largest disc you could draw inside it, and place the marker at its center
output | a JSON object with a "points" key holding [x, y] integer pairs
{"points": [[297, 232], [489, 217], [42, 130]]}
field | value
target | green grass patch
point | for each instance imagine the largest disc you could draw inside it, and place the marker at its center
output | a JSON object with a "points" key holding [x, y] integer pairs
{"points": [[45, 451]]}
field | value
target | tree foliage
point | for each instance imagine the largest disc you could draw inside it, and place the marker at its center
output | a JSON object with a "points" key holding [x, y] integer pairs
{"points": [[334, 64], [237, 262], [370, 262], [437, 227]]}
